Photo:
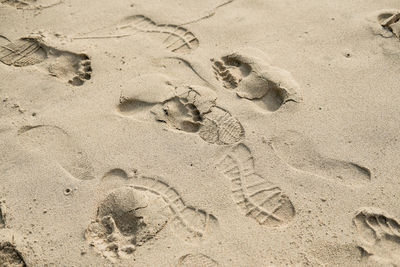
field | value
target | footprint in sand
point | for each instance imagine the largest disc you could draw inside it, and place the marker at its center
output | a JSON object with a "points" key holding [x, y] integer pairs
{"points": [[257, 197], [300, 153], [68, 66], [190, 109], [250, 73], [139, 208], [10, 256], [56, 145], [30, 4], [196, 260], [379, 234], [176, 38], [389, 20]]}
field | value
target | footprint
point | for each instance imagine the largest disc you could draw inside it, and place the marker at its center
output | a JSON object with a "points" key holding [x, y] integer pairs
{"points": [[10, 256], [250, 73], [134, 213], [125, 219], [300, 153], [379, 234], [194, 110], [220, 127], [189, 223], [257, 197], [196, 260], [67, 66], [30, 4], [18, 3], [178, 39], [390, 21], [54, 144], [191, 109]]}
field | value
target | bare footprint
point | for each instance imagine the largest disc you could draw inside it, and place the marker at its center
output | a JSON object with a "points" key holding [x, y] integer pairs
{"points": [[196, 260], [177, 39], [250, 73], [56, 145], [134, 213], [10, 256], [300, 153], [191, 109], [257, 197], [379, 234], [67, 66]]}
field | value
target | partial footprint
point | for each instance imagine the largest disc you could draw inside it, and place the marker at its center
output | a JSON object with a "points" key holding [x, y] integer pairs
{"points": [[55, 144], [300, 153], [189, 223], [177, 39], [251, 74], [191, 109], [10, 256], [257, 197], [221, 128], [379, 234], [125, 219], [68, 66], [30, 4], [390, 21], [196, 260], [132, 214]]}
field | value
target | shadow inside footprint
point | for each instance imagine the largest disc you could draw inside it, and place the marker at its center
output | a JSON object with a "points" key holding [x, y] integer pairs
{"points": [[10, 256], [300, 153], [68, 66], [390, 21]]}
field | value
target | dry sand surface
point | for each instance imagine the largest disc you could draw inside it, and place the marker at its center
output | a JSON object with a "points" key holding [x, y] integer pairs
{"points": [[199, 133]]}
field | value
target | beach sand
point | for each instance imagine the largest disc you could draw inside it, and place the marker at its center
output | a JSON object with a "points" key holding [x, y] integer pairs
{"points": [[199, 133]]}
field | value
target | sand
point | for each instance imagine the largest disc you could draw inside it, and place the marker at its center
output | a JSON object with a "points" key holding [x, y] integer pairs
{"points": [[199, 133]]}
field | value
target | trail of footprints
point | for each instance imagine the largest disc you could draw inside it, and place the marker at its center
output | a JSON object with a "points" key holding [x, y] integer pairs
{"points": [[68, 66], [134, 213], [257, 197]]}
